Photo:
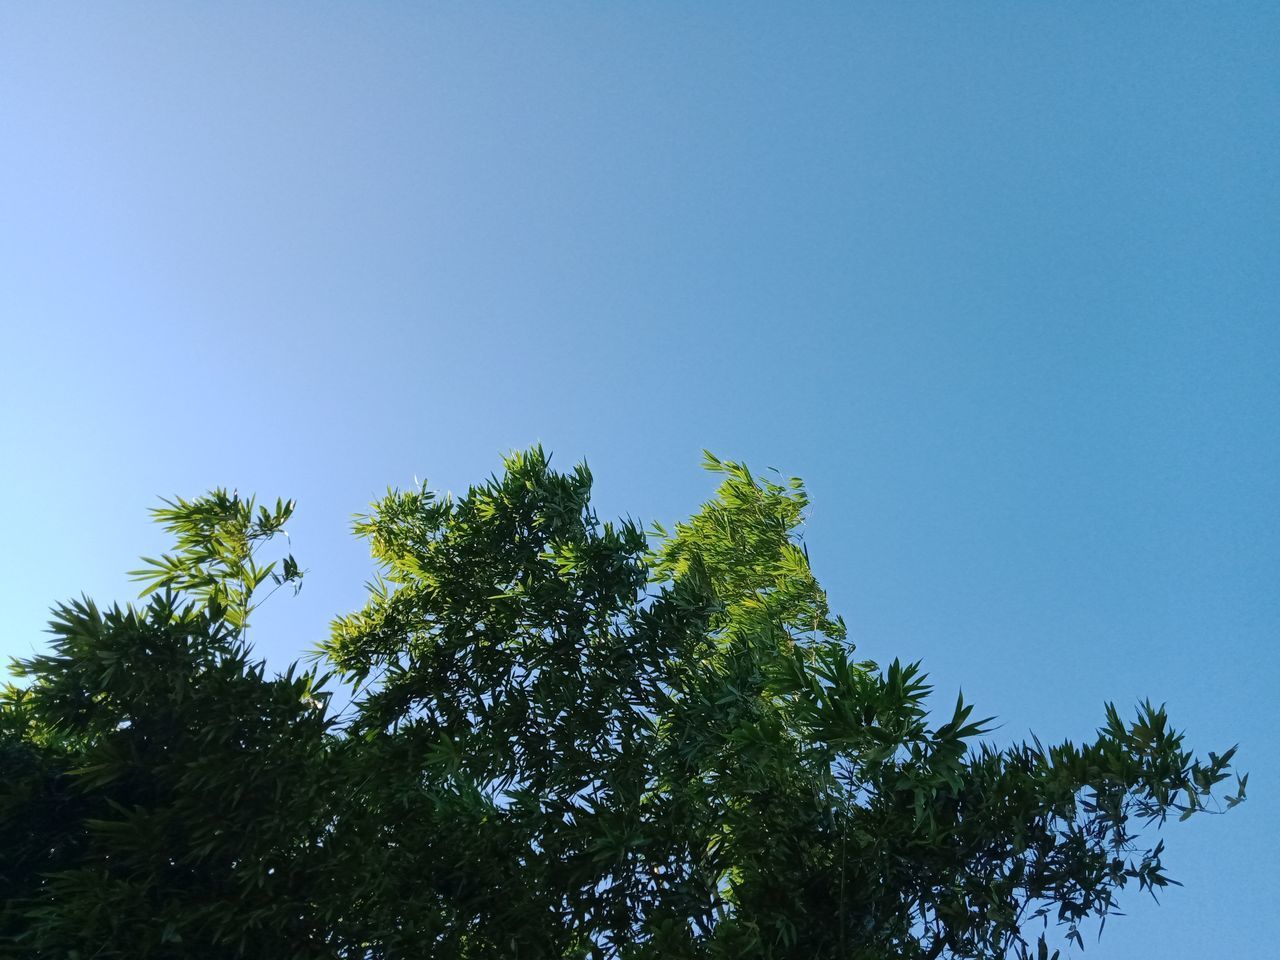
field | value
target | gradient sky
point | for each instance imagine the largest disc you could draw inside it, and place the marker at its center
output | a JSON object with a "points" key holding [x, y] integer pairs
{"points": [[998, 279]]}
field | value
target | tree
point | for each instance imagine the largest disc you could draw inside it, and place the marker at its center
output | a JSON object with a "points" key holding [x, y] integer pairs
{"points": [[564, 738], [156, 780]]}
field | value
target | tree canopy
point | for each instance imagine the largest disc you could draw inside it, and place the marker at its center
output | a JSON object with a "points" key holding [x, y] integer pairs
{"points": [[553, 737]]}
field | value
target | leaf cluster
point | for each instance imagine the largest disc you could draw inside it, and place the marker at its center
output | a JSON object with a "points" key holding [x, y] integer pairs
{"points": [[564, 738]]}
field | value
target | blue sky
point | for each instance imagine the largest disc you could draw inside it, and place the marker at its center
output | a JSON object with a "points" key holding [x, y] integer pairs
{"points": [[998, 279]]}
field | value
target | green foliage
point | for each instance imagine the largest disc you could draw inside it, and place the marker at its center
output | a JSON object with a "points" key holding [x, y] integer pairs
{"points": [[217, 538], [565, 738]]}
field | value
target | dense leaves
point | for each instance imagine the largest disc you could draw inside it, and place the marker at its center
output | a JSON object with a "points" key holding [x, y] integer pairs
{"points": [[563, 738]]}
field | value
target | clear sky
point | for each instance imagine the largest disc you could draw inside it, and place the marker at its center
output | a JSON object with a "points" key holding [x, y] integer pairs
{"points": [[998, 279]]}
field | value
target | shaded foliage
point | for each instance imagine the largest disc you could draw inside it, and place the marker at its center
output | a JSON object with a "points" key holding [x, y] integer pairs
{"points": [[564, 738]]}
